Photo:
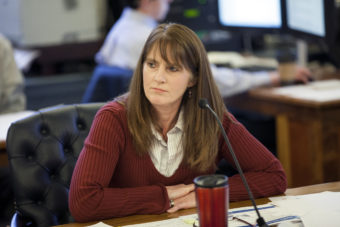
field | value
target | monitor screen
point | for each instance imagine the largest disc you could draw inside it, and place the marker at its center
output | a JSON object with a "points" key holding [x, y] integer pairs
{"points": [[306, 16], [266, 14], [196, 14]]}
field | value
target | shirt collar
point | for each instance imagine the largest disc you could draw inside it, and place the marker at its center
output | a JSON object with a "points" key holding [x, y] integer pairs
{"points": [[178, 128]]}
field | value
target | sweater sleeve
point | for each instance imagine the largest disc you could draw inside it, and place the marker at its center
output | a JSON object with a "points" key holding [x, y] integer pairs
{"points": [[91, 196], [263, 171]]}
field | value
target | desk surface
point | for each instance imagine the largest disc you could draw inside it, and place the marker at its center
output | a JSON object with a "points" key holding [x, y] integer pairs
{"points": [[274, 100], [135, 219], [318, 94], [6, 121]]}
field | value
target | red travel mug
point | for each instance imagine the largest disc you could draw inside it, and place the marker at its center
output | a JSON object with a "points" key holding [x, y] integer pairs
{"points": [[212, 197]]}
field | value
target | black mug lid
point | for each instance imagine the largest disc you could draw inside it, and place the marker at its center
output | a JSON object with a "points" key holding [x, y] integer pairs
{"points": [[211, 181], [284, 56]]}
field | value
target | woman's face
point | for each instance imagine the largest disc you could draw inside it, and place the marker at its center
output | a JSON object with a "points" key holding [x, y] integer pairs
{"points": [[164, 84]]}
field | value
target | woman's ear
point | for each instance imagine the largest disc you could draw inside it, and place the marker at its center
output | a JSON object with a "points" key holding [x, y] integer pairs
{"points": [[192, 82]]}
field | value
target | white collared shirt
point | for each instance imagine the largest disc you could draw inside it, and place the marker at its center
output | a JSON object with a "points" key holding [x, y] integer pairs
{"points": [[124, 43], [167, 156]]}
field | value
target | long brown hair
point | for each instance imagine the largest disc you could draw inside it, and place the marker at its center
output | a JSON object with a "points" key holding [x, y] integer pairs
{"points": [[201, 132]]}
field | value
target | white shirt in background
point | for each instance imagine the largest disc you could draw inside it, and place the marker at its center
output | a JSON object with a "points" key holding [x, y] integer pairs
{"points": [[234, 81], [125, 41]]}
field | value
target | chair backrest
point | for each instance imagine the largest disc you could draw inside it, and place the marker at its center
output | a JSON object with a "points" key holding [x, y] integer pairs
{"points": [[106, 83], [42, 151]]}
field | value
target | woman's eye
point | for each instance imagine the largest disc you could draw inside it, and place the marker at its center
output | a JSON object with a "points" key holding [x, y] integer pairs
{"points": [[174, 68], [151, 64]]}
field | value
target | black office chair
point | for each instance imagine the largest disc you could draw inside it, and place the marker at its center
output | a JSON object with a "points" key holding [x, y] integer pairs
{"points": [[42, 151], [106, 83]]}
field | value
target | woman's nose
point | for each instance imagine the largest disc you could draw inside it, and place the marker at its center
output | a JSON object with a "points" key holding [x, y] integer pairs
{"points": [[160, 75]]}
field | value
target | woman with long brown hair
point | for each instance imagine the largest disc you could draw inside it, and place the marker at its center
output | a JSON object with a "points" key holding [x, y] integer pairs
{"points": [[145, 148]]}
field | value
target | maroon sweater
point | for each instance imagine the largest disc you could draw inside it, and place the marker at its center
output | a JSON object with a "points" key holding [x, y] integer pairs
{"points": [[111, 180]]}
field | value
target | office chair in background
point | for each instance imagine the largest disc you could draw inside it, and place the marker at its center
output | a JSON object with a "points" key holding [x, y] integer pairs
{"points": [[42, 152], [106, 83]]}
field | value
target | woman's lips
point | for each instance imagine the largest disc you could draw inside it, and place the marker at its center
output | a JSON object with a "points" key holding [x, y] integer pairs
{"points": [[158, 90]]}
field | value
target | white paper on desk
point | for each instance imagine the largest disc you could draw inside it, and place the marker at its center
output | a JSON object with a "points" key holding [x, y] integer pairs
{"points": [[268, 212], [7, 119], [318, 209], [320, 91], [178, 222], [24, 58], [99, 224]]}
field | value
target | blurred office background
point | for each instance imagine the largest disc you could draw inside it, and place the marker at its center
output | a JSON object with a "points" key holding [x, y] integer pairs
{"points": [[56, 40]]}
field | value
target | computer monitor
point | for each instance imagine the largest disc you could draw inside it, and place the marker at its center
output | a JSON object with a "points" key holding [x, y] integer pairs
{"points": [[251, 15], [307, 18], [196, 14], [312, 21], [201, 16], [251, 19]]}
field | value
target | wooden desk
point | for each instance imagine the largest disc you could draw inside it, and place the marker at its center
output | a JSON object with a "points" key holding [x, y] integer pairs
{"points": [[50, 56], [3, 155], [307, 134], [135, 219], [2, 145]]}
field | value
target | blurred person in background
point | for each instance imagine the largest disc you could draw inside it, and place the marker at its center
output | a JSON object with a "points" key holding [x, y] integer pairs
{"points": [[12, 99], [127, 36], [12, 96]]}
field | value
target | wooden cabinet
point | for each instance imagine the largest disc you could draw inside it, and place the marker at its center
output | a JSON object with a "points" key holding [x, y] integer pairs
{"points": [[307, 133]]}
